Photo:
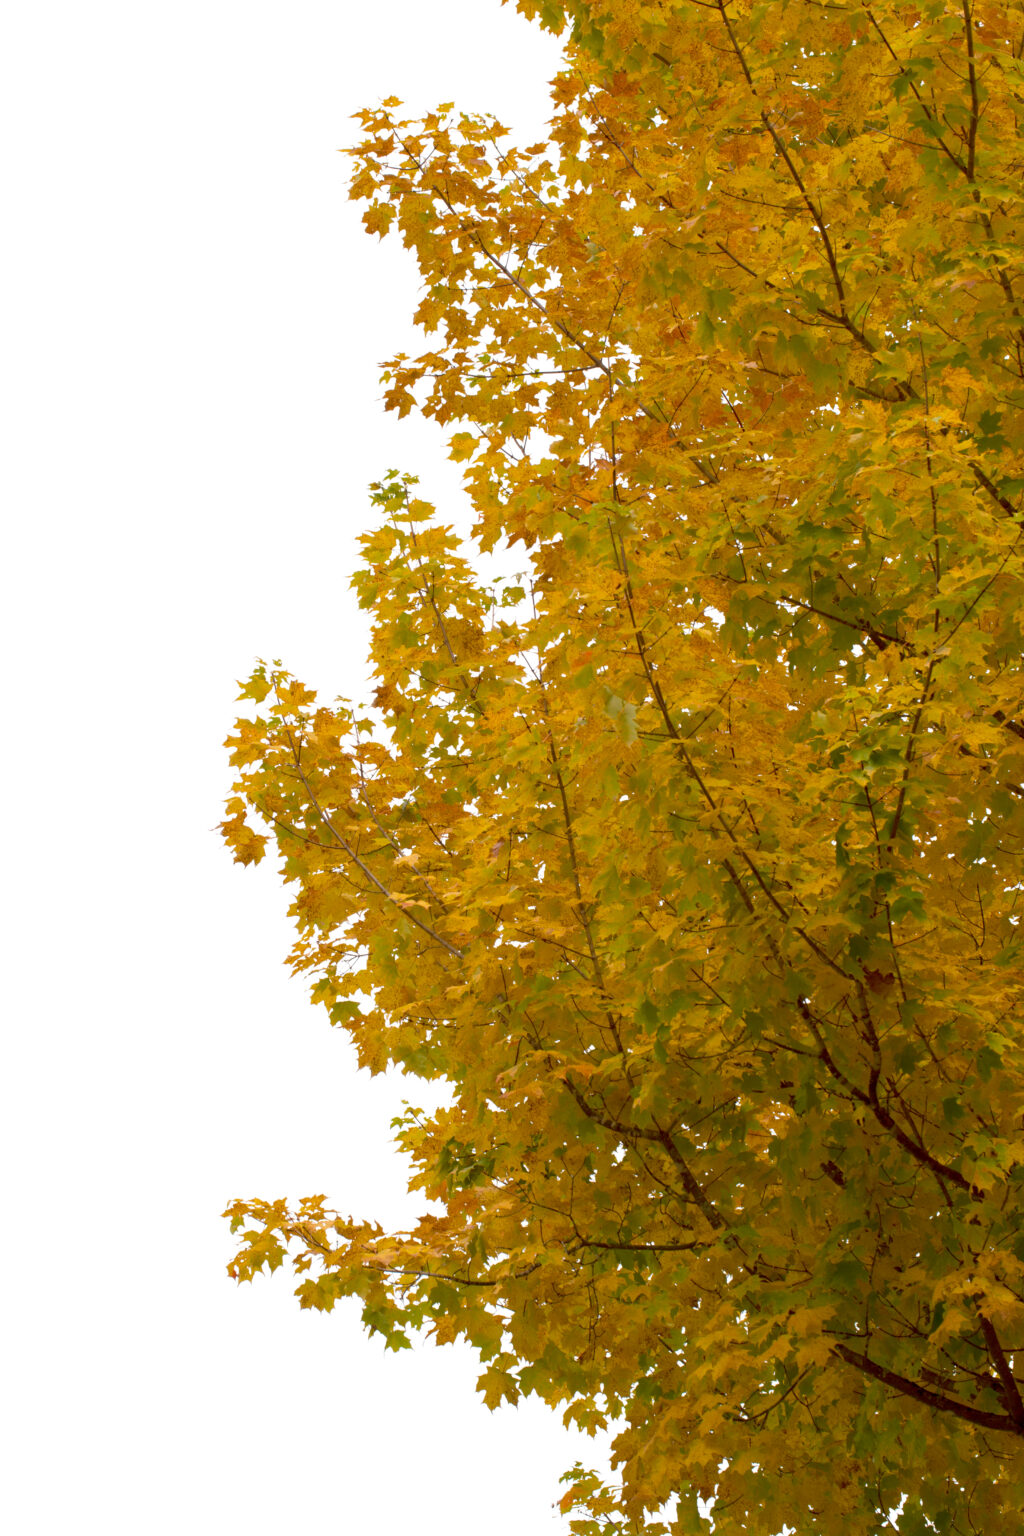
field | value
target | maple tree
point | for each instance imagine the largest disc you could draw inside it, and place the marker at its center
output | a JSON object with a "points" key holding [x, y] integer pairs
{"points": [[690, 861]]}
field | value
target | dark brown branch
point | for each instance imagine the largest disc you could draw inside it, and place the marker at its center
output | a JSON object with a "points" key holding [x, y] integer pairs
{"points": [[589, 1242], [871, 1101], [711, 1214], [938, 1400], [630, 1133], [1010, 1390], [972, 75]]}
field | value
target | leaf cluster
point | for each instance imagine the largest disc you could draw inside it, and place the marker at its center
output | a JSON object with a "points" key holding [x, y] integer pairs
{"points": [[691, 861]]}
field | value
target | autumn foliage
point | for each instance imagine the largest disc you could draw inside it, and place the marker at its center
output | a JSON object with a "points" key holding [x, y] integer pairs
{"points": [[691, 860]]}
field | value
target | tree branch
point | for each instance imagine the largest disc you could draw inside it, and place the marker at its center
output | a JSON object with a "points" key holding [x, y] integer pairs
{"points": [[938, 1400]]}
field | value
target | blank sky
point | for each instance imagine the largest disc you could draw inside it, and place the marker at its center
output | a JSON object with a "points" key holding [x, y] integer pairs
{"points": [[192, 326]]}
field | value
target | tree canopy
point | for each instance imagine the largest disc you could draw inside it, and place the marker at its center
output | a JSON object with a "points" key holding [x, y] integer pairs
{"points": [[690, 861]]}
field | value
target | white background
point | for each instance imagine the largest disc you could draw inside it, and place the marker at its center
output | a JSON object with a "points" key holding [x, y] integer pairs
{"points": [[192, 323]]}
